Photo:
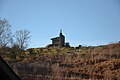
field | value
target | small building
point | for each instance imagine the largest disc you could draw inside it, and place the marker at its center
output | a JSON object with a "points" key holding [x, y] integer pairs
{"points": [[58, 42], [67, 44]]}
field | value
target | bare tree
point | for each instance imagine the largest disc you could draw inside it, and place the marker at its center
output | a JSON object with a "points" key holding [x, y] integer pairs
{"points": [[21, 38], [5, 33]]}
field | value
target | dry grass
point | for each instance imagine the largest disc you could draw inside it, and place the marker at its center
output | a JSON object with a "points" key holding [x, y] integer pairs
{"points": [[85, 63]]}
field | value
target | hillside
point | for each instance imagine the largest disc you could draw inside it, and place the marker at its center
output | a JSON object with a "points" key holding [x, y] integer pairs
{"points": [[84, 63]]}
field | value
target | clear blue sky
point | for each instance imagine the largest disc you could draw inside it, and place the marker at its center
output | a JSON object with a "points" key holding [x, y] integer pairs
{"points": [[86, 22]]}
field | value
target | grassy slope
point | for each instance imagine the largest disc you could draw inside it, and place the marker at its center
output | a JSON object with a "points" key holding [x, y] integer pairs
{"points": [[99, 62]]}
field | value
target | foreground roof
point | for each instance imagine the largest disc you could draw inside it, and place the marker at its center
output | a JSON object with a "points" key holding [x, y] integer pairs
{"points": [[6, 73]]}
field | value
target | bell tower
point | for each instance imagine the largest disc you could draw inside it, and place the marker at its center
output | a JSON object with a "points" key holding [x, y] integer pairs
{"points": [[61, 39]]}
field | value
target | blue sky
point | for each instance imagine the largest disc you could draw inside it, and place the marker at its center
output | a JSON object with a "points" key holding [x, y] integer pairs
{"points": [[85, 22]]}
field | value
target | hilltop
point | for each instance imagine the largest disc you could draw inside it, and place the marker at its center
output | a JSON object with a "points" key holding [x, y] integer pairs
{"points": [[85, 62]]}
